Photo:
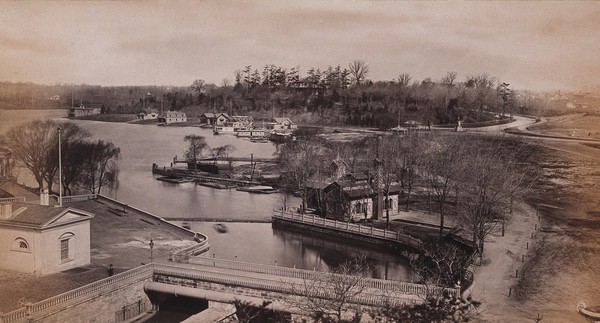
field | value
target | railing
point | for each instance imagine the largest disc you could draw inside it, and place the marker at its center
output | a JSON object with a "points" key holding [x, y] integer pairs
{"points": [[376, 291], [133, 310], [79, 198], [183, 255], [387, 285], [367, 231], [73, 296], [13, 199], [197, 236], [368, 297]]}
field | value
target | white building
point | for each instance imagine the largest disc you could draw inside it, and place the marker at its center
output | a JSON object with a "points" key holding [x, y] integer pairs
{"points": [[41, 239], [172, 117]]}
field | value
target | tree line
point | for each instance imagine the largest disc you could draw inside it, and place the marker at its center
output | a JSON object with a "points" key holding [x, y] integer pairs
{"points": [[86, 165], [338, 94]]}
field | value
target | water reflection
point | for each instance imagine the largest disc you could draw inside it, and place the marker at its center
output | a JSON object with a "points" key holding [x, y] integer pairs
{"points": [[261, 243]]}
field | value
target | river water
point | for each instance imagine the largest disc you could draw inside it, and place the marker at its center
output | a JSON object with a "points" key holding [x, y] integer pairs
{"points": [[143, 145]]}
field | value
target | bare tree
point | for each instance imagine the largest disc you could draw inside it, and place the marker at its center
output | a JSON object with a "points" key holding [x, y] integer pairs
{"points": [[345, 284], [494, 179], [35, 145], [224, 152], [300, 160], [100, 168], [449, 79], [442, 162], [404, 79], [359, 71], [73, 161], [197, 144]]}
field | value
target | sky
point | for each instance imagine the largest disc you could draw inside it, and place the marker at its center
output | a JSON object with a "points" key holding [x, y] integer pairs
{"points": [[531, 45]]}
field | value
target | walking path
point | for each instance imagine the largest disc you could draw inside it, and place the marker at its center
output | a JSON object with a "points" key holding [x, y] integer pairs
{"points": [[496, 277]]}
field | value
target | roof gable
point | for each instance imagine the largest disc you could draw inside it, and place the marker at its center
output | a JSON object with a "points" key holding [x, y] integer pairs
{"points": [[41, 216]]}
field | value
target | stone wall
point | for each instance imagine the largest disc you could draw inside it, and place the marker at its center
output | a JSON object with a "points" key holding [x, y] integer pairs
{"points": [[99, 308]]}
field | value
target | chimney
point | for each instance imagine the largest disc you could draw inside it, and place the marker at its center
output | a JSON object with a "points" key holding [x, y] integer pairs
{"points": [[5, 210], [44, 197]]}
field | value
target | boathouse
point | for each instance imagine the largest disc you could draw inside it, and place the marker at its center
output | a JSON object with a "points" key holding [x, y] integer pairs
{"points": [[349, 196]]}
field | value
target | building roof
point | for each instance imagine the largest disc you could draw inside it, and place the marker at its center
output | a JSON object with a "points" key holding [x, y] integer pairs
{"points": [[41, 216], [209, 115], [283, 120], [317, 184], [169, 113], [17, 190]]}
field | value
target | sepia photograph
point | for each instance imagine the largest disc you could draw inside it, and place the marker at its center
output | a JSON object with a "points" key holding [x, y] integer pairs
{"points": [[299, 161]]}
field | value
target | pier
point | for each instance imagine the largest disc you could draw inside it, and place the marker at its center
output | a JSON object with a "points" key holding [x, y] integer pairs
{"points": [[346, 229]]}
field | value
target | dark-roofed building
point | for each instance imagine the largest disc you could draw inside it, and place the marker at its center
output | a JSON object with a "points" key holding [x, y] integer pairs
{"points": [[349, 197], [42, 239]]}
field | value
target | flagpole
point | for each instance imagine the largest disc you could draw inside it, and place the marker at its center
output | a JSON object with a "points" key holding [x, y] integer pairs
{"points": [[59, 170]]}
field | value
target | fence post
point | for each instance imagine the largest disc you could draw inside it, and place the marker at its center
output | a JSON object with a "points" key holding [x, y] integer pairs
{"points": [[359, 228]]}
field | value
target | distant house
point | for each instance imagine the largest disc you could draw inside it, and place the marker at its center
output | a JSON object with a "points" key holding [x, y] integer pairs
{"points": [[148, 114], [281, 124], [173, 117], [208, 118], [41, 239], [83, 111], [306, 86], [240, 122], [221, 119]]}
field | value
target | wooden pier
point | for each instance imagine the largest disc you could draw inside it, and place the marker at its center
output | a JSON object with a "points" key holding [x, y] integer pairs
{"points": [[202, 178], [212, 160], [356, 231]]}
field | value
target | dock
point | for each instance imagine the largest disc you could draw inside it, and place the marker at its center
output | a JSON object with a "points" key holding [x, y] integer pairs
{"points": [[354, 231], [201, 178]]}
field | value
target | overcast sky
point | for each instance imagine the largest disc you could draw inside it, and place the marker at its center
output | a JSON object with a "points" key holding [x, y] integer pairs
{"points": [[533, 45]]}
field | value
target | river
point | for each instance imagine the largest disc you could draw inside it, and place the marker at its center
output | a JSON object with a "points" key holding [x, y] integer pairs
{"points": [[143, 145]]}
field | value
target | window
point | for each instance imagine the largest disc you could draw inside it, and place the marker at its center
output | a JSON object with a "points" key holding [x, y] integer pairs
{"points": [[388, 204], [65, 244], [358, 208], [64, 249], [20, 244]]}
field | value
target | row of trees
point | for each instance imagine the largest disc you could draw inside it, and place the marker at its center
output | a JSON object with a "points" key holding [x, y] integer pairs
{"points": [[476, 178], [86, 165]]}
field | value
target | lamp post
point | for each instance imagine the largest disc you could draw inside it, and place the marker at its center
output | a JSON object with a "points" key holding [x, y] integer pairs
{"points": [[151, 250], [59, 170]]}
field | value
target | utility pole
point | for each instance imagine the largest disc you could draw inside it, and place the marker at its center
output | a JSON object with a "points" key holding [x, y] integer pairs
{"points": [[59, 170], [378, 182]]}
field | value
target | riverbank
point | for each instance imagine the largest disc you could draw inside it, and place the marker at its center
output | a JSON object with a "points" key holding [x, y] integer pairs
{"points": [[557, 265]]}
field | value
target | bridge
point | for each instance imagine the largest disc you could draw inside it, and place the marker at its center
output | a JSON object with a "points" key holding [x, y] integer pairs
{"points": [[221, 281], [218, 282]]}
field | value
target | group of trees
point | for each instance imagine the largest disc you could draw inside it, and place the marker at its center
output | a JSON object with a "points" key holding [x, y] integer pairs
{"points": [[198, 148], [86, 165], [474, 178]]}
